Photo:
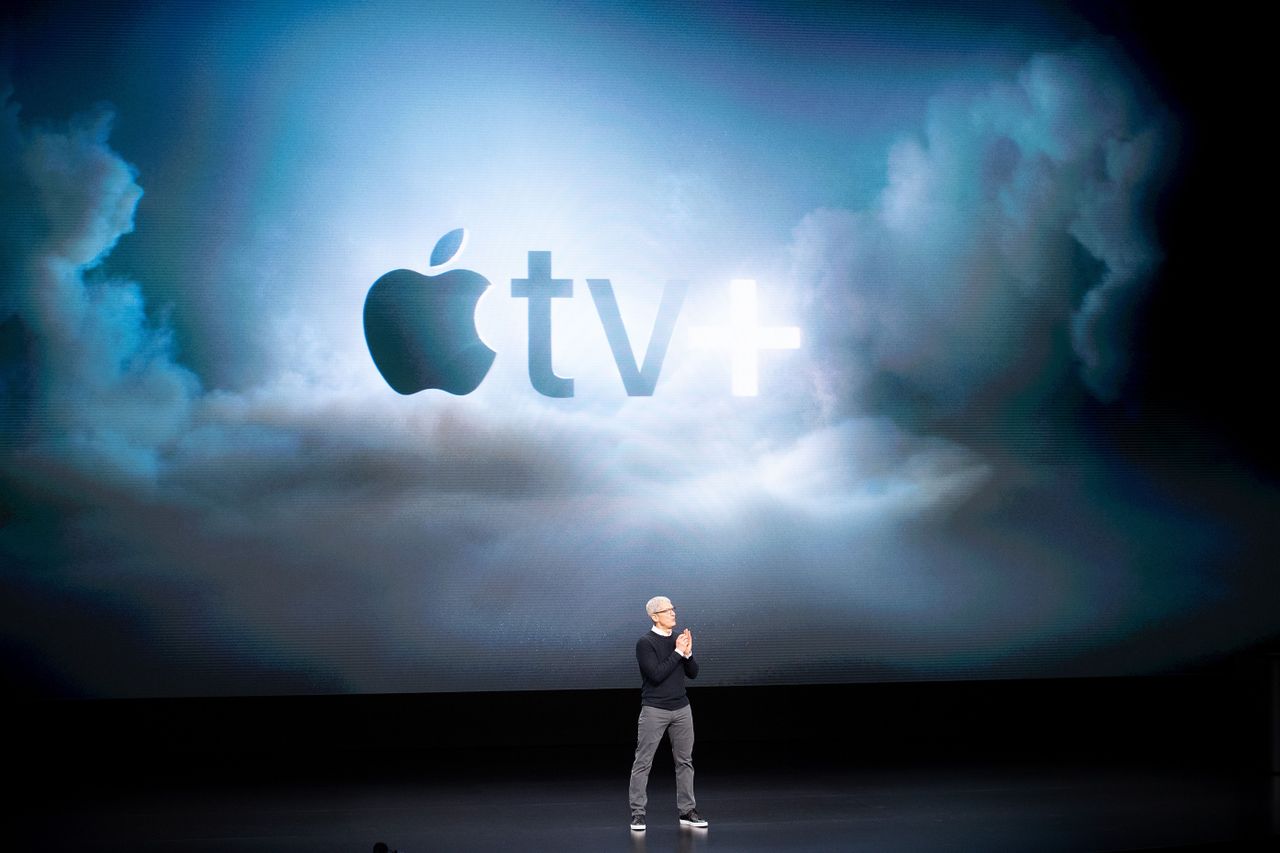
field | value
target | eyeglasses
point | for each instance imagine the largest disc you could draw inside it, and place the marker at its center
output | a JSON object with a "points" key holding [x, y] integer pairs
{"points": [[668, 610]]}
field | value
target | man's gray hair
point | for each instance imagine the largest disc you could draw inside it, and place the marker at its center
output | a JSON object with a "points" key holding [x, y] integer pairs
{"points": [[658, 602]]}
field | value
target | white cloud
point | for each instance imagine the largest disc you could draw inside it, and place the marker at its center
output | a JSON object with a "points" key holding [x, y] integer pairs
{"points": [[1019, 215]]}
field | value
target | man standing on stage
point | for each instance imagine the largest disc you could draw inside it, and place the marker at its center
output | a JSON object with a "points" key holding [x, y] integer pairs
{"points": [[665, 660]]}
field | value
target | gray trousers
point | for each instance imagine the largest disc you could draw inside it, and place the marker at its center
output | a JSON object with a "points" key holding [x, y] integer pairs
{"points": [[679, 726]]}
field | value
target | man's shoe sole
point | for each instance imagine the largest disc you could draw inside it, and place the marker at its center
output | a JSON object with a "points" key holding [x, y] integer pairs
{"points": [[700, 824], [637, 828]]}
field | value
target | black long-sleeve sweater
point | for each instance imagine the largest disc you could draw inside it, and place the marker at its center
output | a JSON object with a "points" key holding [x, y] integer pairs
{"points": [[663, 670]]}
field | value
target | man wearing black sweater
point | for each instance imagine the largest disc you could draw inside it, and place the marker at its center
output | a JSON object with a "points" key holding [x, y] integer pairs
{"points": [[665, 660]]}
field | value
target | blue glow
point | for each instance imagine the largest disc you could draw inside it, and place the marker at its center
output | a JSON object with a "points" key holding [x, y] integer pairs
{"points": [[924, 241]]}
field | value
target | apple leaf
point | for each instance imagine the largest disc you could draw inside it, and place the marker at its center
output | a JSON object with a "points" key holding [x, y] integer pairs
{"points": [[447, 247]]}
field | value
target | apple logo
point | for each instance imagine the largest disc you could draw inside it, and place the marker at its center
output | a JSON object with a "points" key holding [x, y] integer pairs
{"points": [[421, 329]]}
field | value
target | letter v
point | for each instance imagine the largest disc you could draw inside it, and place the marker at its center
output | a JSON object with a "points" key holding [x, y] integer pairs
{"points": [[639, 383]]}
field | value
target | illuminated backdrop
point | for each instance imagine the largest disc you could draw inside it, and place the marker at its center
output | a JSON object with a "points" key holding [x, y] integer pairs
{"points": [[963, 470]]}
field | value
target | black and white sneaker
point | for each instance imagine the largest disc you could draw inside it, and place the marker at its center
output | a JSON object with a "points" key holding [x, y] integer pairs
{"points": [[637, 821], [692, 818]]}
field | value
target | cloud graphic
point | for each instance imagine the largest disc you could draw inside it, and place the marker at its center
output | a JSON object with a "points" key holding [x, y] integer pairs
{"points": [[312, 530], [1010, 246], [96, 385]]}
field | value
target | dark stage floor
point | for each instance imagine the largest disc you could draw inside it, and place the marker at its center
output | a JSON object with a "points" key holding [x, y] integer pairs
{"points": [[557, 804]]}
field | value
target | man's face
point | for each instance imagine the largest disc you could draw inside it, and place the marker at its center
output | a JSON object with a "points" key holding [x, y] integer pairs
{"points": [[666, 618]]}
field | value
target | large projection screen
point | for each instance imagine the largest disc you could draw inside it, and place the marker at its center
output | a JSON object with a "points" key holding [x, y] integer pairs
{"points": [[863, 333]]}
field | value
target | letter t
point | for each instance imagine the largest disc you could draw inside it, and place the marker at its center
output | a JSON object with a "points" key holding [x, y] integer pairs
{"points": [[540, 288]]}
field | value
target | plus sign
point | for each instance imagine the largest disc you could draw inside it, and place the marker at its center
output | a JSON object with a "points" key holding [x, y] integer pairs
{"points": [[745, 337]]}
